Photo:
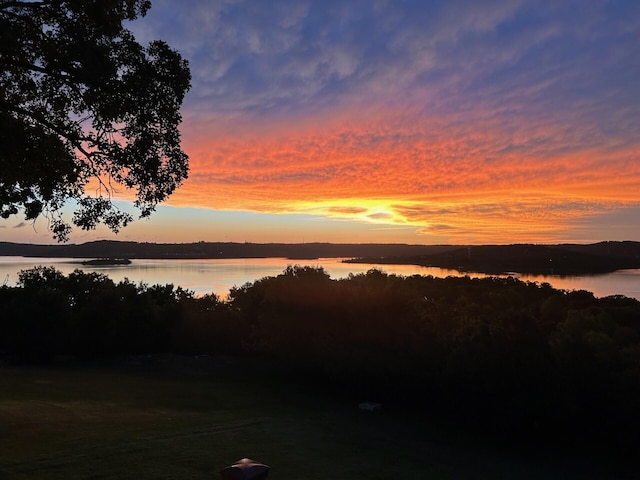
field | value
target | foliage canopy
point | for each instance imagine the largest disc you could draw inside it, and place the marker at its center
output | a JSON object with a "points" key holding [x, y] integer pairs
{"points": [[516, 359], [84, 108]]}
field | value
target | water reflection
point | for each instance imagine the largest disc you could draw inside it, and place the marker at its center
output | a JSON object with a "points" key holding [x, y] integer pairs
{"points": [[622, 282], [220, 275]]}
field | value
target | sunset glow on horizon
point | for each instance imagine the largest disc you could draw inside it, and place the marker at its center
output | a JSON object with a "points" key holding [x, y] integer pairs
{"points": [[415, 122]]}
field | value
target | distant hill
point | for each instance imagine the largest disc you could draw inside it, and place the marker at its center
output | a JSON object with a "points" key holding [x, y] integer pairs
{"points": [[564, 259], [302, 251]]}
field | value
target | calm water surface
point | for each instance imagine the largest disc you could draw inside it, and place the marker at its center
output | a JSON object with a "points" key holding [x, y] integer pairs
{"points": [[220, 275]]}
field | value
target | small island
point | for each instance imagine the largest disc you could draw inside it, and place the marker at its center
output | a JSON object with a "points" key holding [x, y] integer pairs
{"points": [[107, 261]]}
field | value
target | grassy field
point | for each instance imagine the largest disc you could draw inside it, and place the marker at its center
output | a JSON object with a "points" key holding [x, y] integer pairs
{"points": [[187, 418]]}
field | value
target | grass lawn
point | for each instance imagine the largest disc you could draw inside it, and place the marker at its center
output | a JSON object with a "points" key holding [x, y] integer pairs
{"points": [[169, 417]]}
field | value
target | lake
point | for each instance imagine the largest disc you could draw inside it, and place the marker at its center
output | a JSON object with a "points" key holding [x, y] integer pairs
{"points": [[220, 275]]}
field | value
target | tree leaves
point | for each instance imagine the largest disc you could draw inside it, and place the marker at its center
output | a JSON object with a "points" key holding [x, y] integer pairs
{"points": [[81, 101]]}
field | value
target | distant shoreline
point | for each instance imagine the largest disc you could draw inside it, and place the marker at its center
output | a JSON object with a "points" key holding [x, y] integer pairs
{"points": [[561, 259]]}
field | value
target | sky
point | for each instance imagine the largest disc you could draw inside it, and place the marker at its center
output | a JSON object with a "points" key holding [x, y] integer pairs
{"points": [[406, 121]]}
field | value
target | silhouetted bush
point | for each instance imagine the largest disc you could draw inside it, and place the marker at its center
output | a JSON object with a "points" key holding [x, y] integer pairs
{"points": [[519, 359], [85, 314], [208, 325]]}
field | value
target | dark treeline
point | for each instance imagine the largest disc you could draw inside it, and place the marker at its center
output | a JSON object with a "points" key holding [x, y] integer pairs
{"points": [[564, 259], [120, 249], [513, 358]]}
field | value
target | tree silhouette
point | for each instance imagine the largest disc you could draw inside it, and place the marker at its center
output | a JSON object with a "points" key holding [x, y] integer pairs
{"points": [[85, 109]]}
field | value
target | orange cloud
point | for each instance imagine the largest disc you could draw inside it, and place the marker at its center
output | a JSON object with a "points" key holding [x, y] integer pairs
{"points": [[468, 182]]}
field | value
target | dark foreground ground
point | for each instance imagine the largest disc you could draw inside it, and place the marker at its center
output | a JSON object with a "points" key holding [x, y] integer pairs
{"points": [[162, 417]]}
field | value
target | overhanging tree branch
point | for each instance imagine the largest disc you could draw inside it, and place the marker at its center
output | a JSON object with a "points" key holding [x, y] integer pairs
{"points": [[14, 4], [79, 99]]}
